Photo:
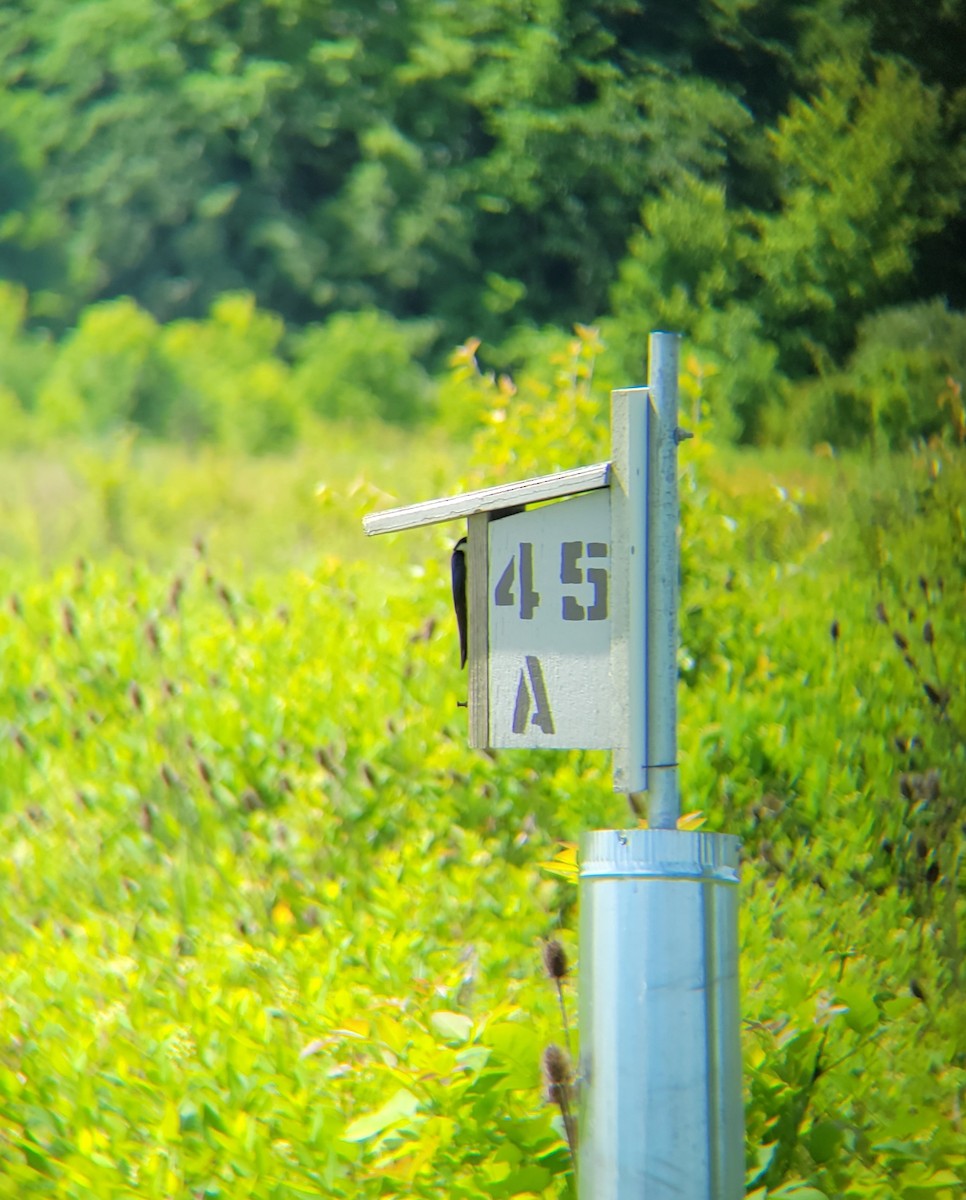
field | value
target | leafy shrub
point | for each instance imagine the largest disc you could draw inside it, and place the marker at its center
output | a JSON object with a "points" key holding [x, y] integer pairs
{"points": [[683, 273], [550, 415], [106, 371], [363, 366], [889, 390], [900, 365], [230, 385], [25, 358], [218, 380]]}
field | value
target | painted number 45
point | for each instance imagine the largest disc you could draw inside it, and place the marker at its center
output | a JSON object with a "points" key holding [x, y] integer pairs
{"points": [[512, 587]]}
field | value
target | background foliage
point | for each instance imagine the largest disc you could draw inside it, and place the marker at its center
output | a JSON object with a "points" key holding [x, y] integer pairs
{"points": [[763, 178], [271, 929]]}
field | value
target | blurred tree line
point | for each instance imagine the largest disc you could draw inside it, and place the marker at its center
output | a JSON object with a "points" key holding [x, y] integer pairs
{"points": [[770, 178]]}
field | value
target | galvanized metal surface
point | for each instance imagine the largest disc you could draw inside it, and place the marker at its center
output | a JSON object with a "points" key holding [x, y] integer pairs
{"points": [[660, 1058], [663, 803]]}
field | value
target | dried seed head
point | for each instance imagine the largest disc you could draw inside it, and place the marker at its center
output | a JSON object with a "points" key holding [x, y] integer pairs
{"points": [[924, 586], [835, 631], [154, 635], [251, 801], [174, 596], [136, 696], [925, 785], [881, 614], [932, 872], [937, 697], [15, 605], [557, 1078], [69, 621], [928, 633], [324, 759], [556, 1068], [916, 988], [169, 776], [900, 640], [554, 959]]}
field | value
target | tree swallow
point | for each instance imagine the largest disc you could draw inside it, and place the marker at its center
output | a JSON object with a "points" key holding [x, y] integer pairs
{"points": [[458, 571]]}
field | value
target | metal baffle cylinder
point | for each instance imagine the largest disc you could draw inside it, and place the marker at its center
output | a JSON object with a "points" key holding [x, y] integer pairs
{"points": [[660, 1057]]}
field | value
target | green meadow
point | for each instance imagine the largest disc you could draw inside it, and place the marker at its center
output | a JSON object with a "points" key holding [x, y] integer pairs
{"points": [[270, 929]]}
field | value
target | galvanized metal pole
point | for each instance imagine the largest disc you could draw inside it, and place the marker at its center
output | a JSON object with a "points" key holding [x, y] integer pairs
{"points": [[662, 582], [660, 1056]]}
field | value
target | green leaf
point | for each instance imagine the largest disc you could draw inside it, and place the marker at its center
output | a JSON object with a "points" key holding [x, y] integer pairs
{"points": [[763, 1160], [798, 1191], [528, 1179], [863, 1012], [397, 1109], [938, 1181], [564, 864], [824, 1140], [451, 1026]]}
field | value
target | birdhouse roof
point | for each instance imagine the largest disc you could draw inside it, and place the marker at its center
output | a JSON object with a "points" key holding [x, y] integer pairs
{"points": [[491, 499]]}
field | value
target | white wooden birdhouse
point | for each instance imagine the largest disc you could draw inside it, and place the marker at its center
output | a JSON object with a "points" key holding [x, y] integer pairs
{"points": [[557, 581]]}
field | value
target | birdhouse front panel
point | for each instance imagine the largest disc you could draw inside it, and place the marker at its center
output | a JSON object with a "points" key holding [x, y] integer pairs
{"points": [[549, 610]]}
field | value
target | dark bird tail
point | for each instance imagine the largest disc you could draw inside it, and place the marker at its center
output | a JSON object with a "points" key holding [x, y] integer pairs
{"points": [[458, 571]]}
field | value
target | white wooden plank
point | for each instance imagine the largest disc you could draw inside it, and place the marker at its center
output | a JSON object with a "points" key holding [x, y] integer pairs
{"points": [[628, 497], [479, 630], [492, 499]]}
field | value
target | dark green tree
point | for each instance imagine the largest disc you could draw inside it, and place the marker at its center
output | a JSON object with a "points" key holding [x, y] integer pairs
{"points": [[771, 172], [861, 177]]}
